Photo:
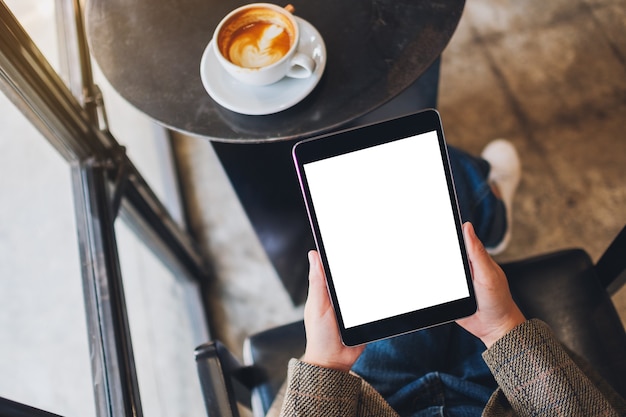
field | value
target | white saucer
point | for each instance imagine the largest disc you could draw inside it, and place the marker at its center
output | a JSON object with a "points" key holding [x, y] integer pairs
{"points": [[259, 100]]}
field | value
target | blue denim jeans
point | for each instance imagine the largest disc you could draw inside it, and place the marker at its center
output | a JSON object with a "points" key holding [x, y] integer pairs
{"points": [[440, 371], [477, 203], [432, 372]]}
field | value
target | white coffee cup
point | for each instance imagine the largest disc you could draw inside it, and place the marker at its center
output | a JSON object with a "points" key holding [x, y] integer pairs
{"points": [[257, 44]]}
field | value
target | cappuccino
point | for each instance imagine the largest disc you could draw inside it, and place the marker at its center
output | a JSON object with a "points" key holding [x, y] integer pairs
{"points": [[257, 44], [256, 37]]}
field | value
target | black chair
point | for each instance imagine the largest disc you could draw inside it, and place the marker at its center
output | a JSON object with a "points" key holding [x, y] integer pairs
{"points": [[565, 289]]}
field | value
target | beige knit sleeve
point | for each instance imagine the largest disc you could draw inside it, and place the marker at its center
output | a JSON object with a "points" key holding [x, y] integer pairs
{"points": [[538, 377], [315, 391]]}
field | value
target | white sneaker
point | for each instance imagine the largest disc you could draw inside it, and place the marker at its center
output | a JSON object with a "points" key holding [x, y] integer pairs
{"points": [[505, 172]]}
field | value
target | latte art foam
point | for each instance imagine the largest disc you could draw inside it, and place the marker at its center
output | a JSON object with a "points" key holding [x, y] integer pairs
{"points": [[258, 45], [256, 37]]}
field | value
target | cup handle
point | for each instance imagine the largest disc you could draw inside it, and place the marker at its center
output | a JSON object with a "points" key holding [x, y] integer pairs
{"points": [[302, 66]]}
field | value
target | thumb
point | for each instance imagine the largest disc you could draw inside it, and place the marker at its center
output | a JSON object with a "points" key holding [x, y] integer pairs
{"points": [[317, 298], [479, 258]]}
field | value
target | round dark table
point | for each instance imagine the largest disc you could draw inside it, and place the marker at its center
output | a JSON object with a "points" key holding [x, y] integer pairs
{"points": [[382, 61]]}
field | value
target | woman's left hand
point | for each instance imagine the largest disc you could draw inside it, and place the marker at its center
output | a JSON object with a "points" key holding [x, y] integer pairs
{"points": [[324, 347]]}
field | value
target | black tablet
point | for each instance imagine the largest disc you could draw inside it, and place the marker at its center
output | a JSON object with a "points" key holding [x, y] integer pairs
{"points": [[383, 211]]}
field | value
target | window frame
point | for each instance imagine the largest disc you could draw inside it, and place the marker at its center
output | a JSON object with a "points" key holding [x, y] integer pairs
{"points": [[106, 185]]}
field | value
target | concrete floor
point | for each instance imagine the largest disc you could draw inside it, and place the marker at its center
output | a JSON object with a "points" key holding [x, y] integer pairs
{"points": [[549, 76]]}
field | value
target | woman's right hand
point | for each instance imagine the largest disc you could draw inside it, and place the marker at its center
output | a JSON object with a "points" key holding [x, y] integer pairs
{"points": [[497, 313]]}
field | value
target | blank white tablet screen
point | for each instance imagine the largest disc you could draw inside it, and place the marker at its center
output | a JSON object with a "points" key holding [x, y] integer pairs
{"points": [[387, 226]]}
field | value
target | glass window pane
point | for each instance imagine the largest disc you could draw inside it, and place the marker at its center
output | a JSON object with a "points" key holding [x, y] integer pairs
{"points": [[44, 353], [38, 19], [41, 303], [146, 142], [166, 325]]}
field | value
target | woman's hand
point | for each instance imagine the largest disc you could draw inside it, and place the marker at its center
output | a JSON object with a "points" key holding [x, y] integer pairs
{"points": [[323, 343], [497, 313]]}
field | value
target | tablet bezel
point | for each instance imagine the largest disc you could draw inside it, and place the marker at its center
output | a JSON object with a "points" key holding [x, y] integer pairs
{"points": [[339, 143]]}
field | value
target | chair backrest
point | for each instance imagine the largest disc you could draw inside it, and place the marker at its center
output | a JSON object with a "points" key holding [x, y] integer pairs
{"points": [[271, 350], [564, 290], [226, 383], [216, 370]]}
